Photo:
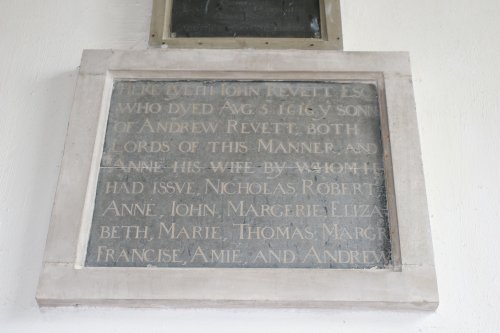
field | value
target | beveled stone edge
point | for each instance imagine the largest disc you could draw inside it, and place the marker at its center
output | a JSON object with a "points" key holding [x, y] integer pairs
{"points": [[99, 62]]}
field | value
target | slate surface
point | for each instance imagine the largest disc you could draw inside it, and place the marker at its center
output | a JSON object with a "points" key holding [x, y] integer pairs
{"points": [[242, 18], [241, 174]]}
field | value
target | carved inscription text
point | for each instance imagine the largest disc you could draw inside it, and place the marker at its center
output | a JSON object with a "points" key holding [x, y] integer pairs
{"points": [[242, 174]]}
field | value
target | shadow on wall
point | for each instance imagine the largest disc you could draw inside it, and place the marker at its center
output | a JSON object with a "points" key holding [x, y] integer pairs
{"points": [[123, 24], [53, 108]]}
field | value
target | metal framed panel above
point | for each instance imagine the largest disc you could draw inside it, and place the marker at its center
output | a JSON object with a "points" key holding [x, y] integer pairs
{"points": [[161, 34]]}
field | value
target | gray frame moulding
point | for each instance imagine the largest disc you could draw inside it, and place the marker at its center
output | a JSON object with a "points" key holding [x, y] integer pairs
{"points": [[409, 284], [331, 32]]}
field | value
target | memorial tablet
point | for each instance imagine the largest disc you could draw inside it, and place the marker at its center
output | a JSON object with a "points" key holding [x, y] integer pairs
{"points": [[248, 18], [242, 174], [271, 178]]}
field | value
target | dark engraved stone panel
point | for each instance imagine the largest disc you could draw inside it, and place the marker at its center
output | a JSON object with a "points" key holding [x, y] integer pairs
{"points": [[246, 18], [242, 174]]}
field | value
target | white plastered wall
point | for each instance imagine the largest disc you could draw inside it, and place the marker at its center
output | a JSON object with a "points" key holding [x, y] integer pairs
{"points": [[455, 51]]}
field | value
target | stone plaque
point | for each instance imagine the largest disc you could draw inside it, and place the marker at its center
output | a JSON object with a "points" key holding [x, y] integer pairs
{"points": [[241, 178], [242, 174], [246, 18]]}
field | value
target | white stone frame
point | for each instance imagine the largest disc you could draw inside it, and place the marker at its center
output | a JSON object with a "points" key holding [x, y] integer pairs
{"points": [[410, 284]]}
